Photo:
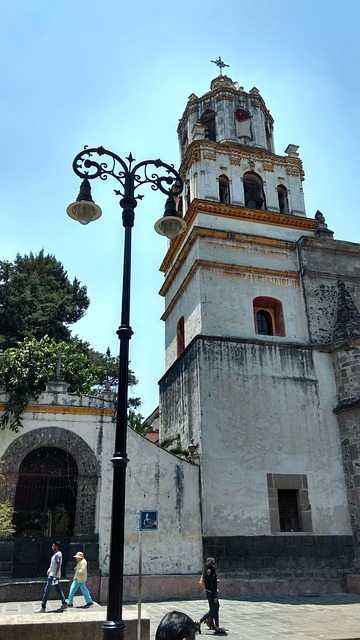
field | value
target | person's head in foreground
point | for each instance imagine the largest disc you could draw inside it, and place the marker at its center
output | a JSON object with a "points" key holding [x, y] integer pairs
{"points": [[176, 626]]}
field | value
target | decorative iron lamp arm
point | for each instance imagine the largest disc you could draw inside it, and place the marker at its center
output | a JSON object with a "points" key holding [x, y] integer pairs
{"points": [[88, 164]]}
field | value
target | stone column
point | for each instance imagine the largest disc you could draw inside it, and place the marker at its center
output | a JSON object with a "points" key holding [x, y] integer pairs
{"points": [[85, 505]]}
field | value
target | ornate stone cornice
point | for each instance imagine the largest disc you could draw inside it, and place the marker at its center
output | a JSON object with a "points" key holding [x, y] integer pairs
{"points": [[237, 153], [239, 213], [68, 409], [222, 236], [225, 268]]}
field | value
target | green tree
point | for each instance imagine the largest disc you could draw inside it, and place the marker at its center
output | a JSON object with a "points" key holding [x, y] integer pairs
{"points": [[6, 514], [37, 303], [135, 421], [173, 445], [108, 366], [38, 299], [24, 371]]}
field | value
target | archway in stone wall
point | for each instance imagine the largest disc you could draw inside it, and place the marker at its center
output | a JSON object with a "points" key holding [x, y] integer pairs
{"points": [[52, 474], [46, 491]]}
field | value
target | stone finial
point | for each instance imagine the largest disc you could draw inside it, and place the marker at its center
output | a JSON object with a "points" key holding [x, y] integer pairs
{"points": [[319, 216], [347, 320], [57, 386], [291, 150], [193, 450], [322, 231]]}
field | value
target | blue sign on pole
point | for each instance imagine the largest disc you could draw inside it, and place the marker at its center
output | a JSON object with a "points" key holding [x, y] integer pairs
{"points": [[146, 521]]}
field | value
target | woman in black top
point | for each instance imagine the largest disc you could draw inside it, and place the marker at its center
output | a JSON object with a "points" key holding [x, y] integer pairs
{"points": [[210, 582]]}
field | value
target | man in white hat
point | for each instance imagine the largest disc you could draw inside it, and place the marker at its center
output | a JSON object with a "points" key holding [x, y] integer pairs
{"points": [[80, 577]]}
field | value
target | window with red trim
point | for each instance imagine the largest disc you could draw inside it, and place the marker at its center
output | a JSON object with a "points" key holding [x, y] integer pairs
{"points": [[180, 336], [268, 316]]}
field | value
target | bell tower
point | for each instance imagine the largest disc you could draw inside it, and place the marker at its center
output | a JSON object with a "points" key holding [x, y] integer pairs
{"points": [[228, 156], [251, 298], [243, 205]]}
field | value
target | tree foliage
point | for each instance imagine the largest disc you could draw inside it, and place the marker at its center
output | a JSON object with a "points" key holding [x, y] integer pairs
{"points": [[135, 421], [37, 303], [24, 371], [108, 366], [38, 299], [173, 445], [6, 513]]}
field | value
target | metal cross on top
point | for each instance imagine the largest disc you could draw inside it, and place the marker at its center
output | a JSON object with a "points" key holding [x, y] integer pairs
{"points": [[219, 63]]}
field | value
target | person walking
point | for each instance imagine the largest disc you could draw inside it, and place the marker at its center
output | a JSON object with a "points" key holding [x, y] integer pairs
{"points": [[210, 581], [176, 625], [54, 575], [79, 581]]}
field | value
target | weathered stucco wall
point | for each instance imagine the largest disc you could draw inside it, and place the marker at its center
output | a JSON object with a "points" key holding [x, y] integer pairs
{"points": [[256, 409], [160, 480], [230, 265], [156, 479]]}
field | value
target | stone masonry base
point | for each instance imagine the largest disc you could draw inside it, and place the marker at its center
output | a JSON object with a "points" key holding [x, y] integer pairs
{"points": [[158, 588]]}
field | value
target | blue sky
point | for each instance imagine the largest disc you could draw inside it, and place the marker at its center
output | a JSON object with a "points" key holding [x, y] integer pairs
{"points": [[119, 74]]}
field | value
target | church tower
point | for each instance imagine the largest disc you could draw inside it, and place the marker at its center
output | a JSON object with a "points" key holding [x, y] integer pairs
{"points": [[252, 375]]}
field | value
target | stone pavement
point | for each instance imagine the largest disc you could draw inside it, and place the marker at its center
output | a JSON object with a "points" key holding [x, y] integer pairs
{"points": [[327, 617]]}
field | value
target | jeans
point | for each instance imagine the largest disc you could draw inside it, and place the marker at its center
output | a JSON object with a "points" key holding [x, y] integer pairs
{"points": [[47, 590], [84, 590], [213, 608]]}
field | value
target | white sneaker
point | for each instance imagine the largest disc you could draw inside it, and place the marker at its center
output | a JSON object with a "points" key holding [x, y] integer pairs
{"points": [[40, 610]]}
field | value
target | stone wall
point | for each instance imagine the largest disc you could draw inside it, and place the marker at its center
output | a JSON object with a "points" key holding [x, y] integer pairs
{"points": [[323, 263], [156, 480], [349, 426], [255, 409], [285, 556]]}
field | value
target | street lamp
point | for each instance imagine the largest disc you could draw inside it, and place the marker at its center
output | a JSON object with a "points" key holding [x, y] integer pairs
{"points": [[88, 165]]}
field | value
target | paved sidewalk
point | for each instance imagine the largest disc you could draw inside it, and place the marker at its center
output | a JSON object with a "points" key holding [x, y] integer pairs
{"points": [[327, 617]]}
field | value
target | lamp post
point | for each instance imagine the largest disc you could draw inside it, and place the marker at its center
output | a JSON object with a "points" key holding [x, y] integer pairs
{"points": [[88, 164]]}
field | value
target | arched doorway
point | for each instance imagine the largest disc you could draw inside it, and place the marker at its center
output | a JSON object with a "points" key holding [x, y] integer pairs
{"points": [[45, 499], [51, 477], [45, 507]]}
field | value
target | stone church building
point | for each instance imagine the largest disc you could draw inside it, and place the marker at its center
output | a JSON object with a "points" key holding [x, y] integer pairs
{"points": [[261, 382]]}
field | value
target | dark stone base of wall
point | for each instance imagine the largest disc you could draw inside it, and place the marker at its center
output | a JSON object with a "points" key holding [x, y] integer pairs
{"points": [[353, 583], [281, 556], [6, 558], [89, 545], [30, 590], [27, 590], [29, 558]]}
